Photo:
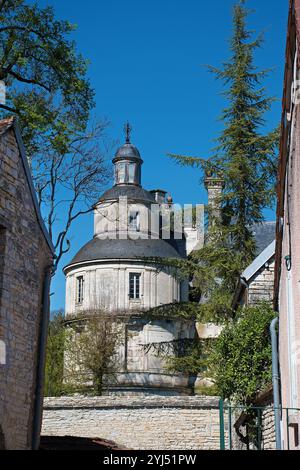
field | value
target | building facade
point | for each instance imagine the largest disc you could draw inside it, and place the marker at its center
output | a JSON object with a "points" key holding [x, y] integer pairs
{"points": [[26, 255], [287, 263], [124, 269], [257, 281]]}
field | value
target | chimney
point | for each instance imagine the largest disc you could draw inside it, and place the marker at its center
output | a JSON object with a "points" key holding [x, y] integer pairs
{"points": [[214, 184], [159, 195]]}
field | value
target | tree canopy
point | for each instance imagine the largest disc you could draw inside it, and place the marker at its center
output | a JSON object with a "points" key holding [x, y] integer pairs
{"points": [[48, 89], [36, 51]]}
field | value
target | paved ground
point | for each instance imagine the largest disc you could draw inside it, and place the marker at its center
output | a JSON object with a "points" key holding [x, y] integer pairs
{"points": [[77, 443]]}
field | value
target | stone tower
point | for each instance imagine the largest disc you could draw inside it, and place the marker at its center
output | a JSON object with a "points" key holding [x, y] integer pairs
{"points": [[120, 271]]}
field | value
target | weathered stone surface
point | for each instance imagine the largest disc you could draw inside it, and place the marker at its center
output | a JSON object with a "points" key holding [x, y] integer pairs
{"points": [[262, 285], [147, 422], [24, 255]]}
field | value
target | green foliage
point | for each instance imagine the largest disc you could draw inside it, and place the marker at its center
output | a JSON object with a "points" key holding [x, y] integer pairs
{"points": [[45, 76], [48, 89], [206, 390], [183, 310], [91, 351], [55, 356], [192, 362], [241, 358], [245, 157]]}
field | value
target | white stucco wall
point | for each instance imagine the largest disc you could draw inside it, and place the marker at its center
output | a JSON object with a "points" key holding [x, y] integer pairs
{"points": [[106, 285], [112, 217]]}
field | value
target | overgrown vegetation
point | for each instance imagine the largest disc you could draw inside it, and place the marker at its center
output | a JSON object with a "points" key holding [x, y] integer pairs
{"points": [[55, 356], [92, 358], [240, 362], [191, 360], [82, 352]]}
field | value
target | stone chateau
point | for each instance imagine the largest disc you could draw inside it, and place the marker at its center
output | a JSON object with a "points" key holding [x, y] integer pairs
{"points": [[121, 270]]}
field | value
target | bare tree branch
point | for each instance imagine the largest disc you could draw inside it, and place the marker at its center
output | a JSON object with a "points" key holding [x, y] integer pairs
{"points": [[8, 108], [29, 80]]}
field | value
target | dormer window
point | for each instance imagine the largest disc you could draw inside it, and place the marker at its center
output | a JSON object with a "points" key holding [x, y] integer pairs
{"points": [[134, 221]]}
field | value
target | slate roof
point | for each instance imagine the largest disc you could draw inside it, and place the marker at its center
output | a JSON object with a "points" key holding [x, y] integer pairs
{"points": [[131, 191], [259, 262], [102, 249], [97, 249], [264, 234]]}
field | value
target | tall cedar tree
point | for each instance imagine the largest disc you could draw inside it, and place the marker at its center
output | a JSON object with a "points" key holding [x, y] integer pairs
{"points": [[246, 159]]}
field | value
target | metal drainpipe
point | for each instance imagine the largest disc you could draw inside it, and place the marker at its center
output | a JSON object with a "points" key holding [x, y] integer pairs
{"points": [[275, 379], [41, 360]]}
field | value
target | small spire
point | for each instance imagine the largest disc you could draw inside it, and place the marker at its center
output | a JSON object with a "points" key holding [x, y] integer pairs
{"points": [[127, 131]]}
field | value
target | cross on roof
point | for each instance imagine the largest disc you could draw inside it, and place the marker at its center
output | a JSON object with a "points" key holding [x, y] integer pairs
{"points": [[127, 130]]}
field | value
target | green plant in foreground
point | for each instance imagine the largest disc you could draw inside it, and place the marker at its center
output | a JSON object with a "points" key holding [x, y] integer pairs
{"points": [[240, 362]]}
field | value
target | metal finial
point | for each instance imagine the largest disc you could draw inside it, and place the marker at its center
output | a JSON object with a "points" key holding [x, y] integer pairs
{"points": [[127, 130]]}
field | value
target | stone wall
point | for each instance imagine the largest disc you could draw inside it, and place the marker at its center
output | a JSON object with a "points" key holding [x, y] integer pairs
{"points": [[147, 422], [261, 287], [23, 257], [141, 347], [268, 429]]}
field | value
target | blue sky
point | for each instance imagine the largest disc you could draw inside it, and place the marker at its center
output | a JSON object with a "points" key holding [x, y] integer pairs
{"points": [[148, 66]]}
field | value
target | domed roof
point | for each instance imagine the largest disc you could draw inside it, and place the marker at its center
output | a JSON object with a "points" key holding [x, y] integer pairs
{"points": [[127, 151], [98, 249]]}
